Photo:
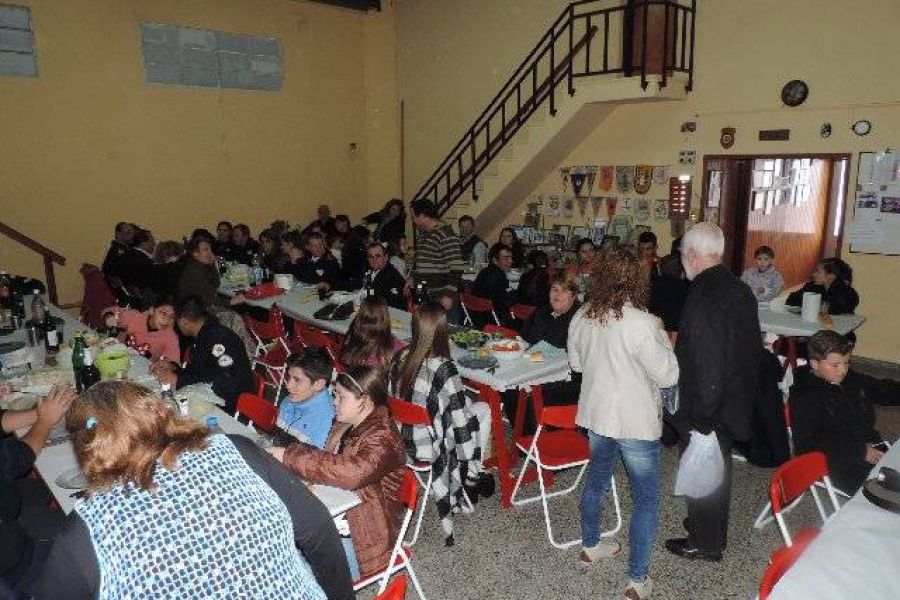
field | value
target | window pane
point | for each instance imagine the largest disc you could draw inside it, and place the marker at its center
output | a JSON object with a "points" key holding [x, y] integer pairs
{"points": [[16, 63], [17, 17]]}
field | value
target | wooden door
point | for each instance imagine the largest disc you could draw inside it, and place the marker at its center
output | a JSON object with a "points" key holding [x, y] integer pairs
{"points": [[730, 208], [661, 37]]}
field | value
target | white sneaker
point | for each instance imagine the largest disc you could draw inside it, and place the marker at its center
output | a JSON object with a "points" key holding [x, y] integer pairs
{"points": [[605, 549], [639, 591]]}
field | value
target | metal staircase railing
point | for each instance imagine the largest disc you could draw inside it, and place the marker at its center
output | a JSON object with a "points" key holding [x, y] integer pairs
{"points": [[567, 51]]}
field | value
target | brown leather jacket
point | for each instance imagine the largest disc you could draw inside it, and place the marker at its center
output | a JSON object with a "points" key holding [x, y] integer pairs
{"points": [[371, 462]]}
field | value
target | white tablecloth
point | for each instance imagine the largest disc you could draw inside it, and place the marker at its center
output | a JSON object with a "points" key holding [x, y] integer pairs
{"points": [[856, 556], [301, 303], [55, 460], [790, 324]]}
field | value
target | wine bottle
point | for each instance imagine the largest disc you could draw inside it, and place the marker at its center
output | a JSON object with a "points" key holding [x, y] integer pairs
{"points": [[51, 334], [6, 301], [90, 374], [78, 347]]}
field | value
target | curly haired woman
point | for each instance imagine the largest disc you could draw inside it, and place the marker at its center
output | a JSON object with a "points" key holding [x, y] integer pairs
{"points": [[625, 357]]}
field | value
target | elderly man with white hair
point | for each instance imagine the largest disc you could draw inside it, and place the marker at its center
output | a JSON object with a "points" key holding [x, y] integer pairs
{"points": [[719, 352]]}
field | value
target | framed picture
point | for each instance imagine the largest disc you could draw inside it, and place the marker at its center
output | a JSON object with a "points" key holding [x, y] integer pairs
{"points": [[580, 232], [561, 234], [609, 241], [598, 234]]}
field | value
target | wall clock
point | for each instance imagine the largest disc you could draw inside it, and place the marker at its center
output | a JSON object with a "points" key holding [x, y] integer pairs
{"points": [[862, 127], [825, 130], [794, 92]]}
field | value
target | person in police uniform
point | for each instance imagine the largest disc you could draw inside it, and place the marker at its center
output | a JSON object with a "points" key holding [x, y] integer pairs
{"points": [[217, 356], [387, 281]]}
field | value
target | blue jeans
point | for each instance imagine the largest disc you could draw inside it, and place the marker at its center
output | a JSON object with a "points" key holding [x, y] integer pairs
{"points": [[641, 458]]}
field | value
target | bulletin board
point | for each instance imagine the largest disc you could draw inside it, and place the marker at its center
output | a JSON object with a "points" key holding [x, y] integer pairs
{"points": [[875, 228]]}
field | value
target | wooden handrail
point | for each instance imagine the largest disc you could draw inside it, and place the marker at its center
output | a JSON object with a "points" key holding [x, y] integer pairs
{"points": [[49, 256]]}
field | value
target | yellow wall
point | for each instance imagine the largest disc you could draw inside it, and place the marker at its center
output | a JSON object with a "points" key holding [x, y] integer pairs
{"points": [[88, 143], [745, 52]]}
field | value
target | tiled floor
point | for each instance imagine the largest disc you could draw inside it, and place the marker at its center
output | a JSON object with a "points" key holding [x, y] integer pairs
{"points": [[505, 554]]}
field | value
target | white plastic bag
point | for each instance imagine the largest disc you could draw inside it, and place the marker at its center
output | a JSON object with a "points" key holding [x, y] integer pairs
{"points": [[702, 467]]}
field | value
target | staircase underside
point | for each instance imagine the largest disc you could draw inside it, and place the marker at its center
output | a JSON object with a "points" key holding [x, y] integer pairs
{"points": [[542, 145]]}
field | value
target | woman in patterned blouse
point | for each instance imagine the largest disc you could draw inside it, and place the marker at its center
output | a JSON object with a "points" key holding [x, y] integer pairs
{"points": [[172, 510]]}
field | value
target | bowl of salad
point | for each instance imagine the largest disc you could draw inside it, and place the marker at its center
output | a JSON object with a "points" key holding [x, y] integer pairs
{"points": [[469, 339]]}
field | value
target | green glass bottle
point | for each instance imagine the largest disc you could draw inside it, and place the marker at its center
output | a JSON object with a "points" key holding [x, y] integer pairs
{"points": [[78, 346]]}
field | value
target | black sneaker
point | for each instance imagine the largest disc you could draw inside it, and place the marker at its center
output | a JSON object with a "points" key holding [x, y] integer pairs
{"points": [[683, 548]]}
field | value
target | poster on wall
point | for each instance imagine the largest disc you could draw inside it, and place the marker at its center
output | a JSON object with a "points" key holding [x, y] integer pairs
{"points": [[660, 210], [553, 205], [577, 176], [620, 226], [624, 178], [564, 174], [641, 210], [714, 194], [643, 178], [660, 175], [607, 175]]}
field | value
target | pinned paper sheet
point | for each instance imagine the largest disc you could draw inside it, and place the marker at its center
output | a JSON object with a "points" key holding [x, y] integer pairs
{"points": [[866, 229]]}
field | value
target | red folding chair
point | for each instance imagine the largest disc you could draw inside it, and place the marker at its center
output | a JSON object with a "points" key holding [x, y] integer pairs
{"points": [[317, 337], [471, 303], [273, 365], [97, 295], [790, 483], [258, 410], [400, 556], [415, 415], [490, 328], [782, 560], [554, 450], [395, 591], [522, 312], [266, 332]]}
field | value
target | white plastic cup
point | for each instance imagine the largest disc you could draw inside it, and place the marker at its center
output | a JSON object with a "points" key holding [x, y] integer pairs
{"points": [[810, 310]]}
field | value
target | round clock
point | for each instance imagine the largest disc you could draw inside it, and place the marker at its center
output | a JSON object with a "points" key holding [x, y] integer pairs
{"points": [[794, 92], [825, 130], [862, 127]]}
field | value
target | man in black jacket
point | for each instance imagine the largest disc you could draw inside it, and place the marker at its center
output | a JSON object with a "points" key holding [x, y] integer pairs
{"points": [[243, 247], [387, 281], [21, 554], [493, 284], [318, 267], [218, 356], [718, 349], [121, 243]]}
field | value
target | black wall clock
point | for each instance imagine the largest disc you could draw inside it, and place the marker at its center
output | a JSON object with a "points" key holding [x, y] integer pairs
{"points": [[794, 92]]}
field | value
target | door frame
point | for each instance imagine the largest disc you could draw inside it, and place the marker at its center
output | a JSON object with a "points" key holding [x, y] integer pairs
{"points": [[727, 158]]}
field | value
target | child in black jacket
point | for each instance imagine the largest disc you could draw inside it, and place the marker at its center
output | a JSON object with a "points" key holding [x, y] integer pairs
{"points": [[832, 410]]}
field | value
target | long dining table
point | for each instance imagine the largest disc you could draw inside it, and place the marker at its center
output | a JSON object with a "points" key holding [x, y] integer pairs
{"points": [[854, 556], [519, 374], [58, 456]]}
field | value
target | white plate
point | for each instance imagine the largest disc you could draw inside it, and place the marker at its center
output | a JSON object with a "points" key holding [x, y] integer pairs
{"points": [[73, 479]]}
